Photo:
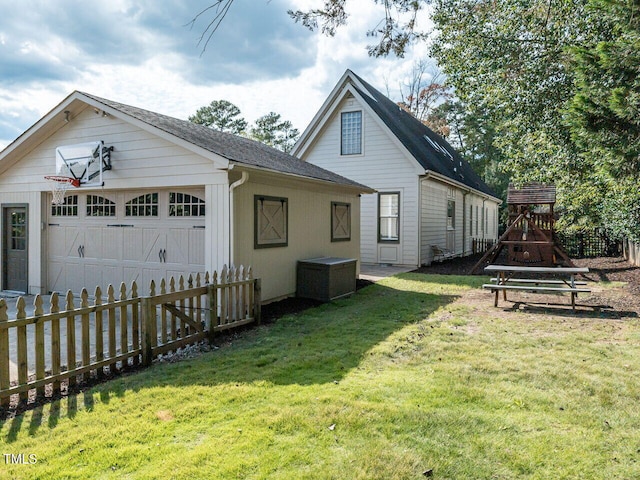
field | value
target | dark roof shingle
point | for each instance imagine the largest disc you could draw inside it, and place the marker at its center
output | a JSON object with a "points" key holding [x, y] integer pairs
{"points": [[234, 148], [431, 150]]}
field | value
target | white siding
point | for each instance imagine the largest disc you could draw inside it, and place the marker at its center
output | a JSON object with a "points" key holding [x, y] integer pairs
{"points": [[139, 160], [434, 218], [383, 166], [485, 224]]}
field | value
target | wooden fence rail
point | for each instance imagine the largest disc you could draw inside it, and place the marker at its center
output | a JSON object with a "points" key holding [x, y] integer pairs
{"points": [[481, 245], [70, 341]]}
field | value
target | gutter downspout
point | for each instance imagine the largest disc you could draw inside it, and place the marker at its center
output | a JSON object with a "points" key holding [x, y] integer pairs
{"points": [[420, 263], [232, 187], [464, 223], [485, 223]]}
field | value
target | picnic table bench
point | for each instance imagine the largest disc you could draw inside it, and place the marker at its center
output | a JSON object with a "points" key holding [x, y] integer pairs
{"points": [[563, 279]]}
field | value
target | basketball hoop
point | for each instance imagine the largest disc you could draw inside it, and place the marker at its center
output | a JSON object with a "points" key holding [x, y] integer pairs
{"points": [[59, 185]]}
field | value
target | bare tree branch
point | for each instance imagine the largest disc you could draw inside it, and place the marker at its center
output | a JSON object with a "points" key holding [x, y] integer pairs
{"points": [[221, 9], [396, 31]]}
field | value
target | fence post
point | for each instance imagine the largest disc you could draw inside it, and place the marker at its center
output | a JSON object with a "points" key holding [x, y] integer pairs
{"points": [[257, 298], [23, 365], [146, 342], [4, 354], [40, 373], [212, 298]]}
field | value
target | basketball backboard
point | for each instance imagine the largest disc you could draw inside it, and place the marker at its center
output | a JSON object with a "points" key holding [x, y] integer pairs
{"points": [[84, 162]]}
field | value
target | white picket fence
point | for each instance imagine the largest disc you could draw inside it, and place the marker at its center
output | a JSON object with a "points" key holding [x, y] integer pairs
{"points": [[110, 334]]}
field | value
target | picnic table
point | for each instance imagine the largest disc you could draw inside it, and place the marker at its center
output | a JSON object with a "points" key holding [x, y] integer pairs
{"points": [[548, 280]]}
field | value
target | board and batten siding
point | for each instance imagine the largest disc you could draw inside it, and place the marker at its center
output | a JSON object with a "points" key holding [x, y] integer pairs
{"points": [[140, 160], [309, 231], [382, 166], [484, 221]]}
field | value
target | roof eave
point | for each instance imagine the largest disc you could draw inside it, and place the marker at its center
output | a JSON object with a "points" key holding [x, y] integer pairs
{"points": [[37, 127], [356, 187], [461, 185], [322, 115], [203, 152]]}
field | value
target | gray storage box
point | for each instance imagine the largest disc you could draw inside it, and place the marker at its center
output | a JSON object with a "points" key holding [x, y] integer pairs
{"points": [[326, 278]]}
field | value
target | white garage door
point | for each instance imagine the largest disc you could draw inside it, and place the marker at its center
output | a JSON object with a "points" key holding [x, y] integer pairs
{"points": [[102, 238]]}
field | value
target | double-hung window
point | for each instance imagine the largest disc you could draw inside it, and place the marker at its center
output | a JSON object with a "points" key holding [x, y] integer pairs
{"points": [[389, 217], [351, 133]]}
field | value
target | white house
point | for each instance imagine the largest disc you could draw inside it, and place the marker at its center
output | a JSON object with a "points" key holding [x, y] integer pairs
{"points": [[427, 195], [178, 199]]}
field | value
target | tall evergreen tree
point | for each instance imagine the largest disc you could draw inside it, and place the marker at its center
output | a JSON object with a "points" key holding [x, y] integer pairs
{"points": [[273, 131], [604, 113], [220, 115]]}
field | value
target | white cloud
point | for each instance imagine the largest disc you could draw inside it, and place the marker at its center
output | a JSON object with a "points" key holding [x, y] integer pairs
{"points": [[157, 65]]}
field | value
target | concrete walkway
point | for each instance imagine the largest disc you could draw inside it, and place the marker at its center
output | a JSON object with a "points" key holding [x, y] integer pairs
{"points": [[373, 273]]}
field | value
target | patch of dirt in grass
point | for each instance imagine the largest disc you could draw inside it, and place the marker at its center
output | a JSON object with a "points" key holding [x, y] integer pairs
{"points": [[164, 415], [617, 302]]}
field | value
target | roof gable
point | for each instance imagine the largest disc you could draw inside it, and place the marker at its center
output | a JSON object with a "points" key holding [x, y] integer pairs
{"points": [[235, 149], [428, 149]]}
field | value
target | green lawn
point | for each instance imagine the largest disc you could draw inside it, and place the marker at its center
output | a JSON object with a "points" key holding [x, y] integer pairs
{"points": [[414, 373]]}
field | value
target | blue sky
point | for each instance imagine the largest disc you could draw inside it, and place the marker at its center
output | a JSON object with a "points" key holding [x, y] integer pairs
{"points": [[144, 53]]}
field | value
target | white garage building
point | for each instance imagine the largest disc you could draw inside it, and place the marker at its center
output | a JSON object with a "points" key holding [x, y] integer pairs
{"points": [[178, 199]]}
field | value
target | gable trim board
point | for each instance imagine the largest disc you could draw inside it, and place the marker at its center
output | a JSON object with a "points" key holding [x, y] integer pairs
{"points": [[160, 154], [350, 83], [399, 153], [309, 135]]}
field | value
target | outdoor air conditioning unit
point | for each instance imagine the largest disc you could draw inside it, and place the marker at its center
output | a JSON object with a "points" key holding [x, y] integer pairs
{"points": [[326, 278]]}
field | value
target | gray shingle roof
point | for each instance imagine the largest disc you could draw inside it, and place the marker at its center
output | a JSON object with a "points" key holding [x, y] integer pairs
{"points": [[430, 150], [234, 148]]}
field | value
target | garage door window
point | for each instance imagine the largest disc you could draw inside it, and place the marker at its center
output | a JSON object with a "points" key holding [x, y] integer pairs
{"points": [[185, 205], [68, 209], [98, 206], [142, 206]]}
